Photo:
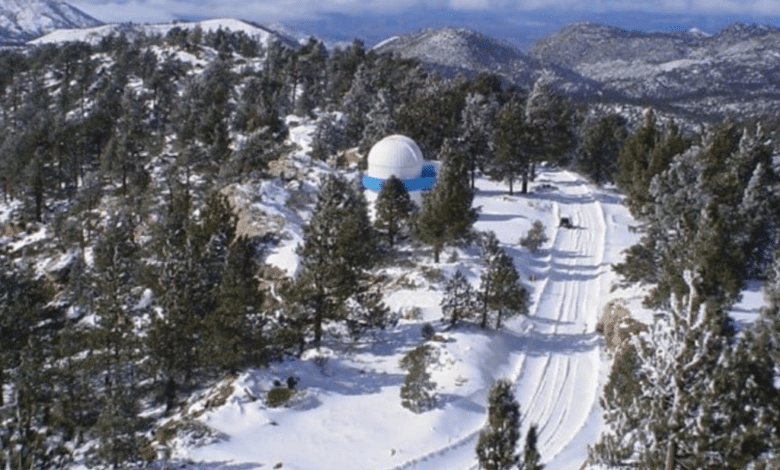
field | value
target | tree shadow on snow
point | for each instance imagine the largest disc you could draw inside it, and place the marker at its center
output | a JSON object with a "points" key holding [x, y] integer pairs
{"points": [[539, 344], [175, 463]]}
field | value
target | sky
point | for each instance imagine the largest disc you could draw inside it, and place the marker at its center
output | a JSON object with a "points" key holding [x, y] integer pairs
{"points": [[519, 21]]}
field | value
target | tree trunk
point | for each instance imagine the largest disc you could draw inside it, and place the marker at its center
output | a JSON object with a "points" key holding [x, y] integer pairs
{"points": [[671, 455], [524, 190]]}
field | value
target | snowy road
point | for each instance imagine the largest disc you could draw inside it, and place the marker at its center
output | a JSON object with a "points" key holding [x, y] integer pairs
{"points": [[350, 415], [558, 370]]}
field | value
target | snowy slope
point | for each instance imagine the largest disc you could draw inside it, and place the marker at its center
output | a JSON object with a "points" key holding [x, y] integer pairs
{"points": [[348, 413], [94, 35], [21, 20]]}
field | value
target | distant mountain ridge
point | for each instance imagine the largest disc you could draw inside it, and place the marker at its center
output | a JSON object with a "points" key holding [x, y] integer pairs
{"points": [[22, 20], [94, 34], [461, 50], [737, 68]]}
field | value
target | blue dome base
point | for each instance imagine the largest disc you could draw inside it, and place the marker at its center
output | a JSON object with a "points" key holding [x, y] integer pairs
{"points": [[425, 182]]}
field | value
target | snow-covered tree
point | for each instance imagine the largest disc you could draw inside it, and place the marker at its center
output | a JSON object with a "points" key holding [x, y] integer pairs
{"points": [[512, 159], [683, 394], [497, 444], [476, 130]]}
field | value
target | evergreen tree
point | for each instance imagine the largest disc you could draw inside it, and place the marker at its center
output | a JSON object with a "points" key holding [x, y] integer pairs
{"points": [[600, 144], [476, 130], [446, 214], [500, 292], [379, 121], [497, 444], [512, 146], [531, 457], [458, 302], [417, 391], [669, 402], [338, 245], [547, 117], [115, 277], [393, 209], [535, 237]]}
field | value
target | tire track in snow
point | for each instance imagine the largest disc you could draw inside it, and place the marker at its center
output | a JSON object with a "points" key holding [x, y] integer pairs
{"points": [[548, 379]]}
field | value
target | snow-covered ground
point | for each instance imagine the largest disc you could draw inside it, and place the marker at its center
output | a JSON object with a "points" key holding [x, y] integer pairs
{"points": [[348, 414]]}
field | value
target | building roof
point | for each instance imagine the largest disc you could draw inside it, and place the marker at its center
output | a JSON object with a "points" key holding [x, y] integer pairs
{"points": [[395, 155]]}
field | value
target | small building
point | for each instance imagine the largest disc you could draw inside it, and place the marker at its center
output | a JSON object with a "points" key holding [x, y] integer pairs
{"points": [[399, 156]]}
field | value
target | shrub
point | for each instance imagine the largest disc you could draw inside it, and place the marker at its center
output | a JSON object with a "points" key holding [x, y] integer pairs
{"points": [[427, 332], [616, 325], [279, 396], [535, 237]]}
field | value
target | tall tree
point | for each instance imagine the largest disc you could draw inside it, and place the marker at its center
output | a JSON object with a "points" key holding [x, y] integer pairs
{"points": [[393, 208], [500, 292], [446, 214], [338, 245], [512, 145], [497, 444]]}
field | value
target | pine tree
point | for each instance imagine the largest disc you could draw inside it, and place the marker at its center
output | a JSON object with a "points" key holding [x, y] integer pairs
{"points": [[114, 277], [338, 245], [500, 292], [511, 138], [458, 302], [446, 214], [417, 391], [393, 208], [531, 457], [535, 237], [669, 399], [476, 129], [600, 144], [547, 117], [497, 444], [379, 121]]}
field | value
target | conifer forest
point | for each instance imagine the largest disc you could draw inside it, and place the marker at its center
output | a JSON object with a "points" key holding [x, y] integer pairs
{"points": [[133, 278]]}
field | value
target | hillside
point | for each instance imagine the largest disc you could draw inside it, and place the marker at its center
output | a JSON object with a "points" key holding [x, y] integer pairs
{"points": [[736, 70], [459, 50], [93, 35], [22, 20]]}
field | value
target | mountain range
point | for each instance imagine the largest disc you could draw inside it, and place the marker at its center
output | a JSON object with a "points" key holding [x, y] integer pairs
{"points": [[690, 74], [22, 20]]}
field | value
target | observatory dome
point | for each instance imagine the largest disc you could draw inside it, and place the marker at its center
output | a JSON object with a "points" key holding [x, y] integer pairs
{"points": [[395, 155]]}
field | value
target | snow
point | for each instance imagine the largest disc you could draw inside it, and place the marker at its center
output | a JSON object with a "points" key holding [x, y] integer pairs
{"points": [[348, 412], [94, 35]]}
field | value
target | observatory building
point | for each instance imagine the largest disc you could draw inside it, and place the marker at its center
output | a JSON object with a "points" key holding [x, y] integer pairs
{"points": [[399, 156]]}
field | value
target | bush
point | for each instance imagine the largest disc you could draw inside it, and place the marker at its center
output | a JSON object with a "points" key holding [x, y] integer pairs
{"points": [[427, 332], [535, 237], [616, 325], [279, 396]]}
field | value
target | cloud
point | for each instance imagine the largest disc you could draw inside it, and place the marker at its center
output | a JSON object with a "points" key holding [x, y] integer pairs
{"points": [[274, 10]]}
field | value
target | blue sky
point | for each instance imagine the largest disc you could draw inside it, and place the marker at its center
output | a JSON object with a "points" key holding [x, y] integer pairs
{"points": [[520, 21]]}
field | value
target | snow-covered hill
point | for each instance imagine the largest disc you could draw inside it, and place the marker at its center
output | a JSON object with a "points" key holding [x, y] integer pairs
{"points": [[95, 34], [348, 413], [737, 69], [461, 50], [22, 20]]}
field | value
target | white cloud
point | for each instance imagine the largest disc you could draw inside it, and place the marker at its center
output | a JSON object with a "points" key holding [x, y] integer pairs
{"points": [[273, 10]]}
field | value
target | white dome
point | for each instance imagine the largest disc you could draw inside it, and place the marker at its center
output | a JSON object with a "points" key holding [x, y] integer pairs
{"points": [[395, 155]]}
